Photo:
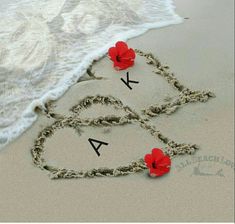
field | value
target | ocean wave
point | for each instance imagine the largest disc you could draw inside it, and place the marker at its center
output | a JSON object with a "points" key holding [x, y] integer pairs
{"points": [[47, 45]]}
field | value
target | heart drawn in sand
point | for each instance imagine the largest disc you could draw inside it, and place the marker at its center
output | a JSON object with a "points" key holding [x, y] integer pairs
{"points": [[158, 162]]}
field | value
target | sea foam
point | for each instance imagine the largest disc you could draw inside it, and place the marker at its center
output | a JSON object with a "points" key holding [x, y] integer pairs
{"points": [[47, 45]]}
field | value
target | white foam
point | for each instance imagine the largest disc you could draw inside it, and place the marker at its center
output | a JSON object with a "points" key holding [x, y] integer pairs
{"points": [[45, 52]]}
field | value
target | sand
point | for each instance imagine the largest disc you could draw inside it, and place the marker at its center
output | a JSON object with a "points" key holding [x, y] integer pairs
{"points": [[200, 53]]}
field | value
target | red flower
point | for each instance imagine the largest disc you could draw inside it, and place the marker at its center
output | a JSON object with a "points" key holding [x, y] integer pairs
{"points": [[122, 56], [158, 163]]}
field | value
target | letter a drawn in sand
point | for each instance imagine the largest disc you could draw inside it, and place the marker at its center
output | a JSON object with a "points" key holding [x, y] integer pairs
{"points": [[94, 147]]}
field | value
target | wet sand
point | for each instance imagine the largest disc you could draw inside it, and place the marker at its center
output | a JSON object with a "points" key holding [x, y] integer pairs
{"points": [[200, 53]]}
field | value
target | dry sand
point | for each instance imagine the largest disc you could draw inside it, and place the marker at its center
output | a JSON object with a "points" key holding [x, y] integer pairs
{"points": [[200, 52]]}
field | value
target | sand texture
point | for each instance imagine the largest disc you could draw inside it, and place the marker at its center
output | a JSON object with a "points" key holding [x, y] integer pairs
{"points": [[172, 108], [74, 121]]}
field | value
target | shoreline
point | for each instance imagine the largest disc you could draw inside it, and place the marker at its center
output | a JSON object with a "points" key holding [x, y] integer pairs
{"points": [[28, 116], [200, 53]]}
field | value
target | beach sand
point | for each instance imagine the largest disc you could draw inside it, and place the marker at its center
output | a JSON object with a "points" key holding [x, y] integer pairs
{"points": [[200, 53]]}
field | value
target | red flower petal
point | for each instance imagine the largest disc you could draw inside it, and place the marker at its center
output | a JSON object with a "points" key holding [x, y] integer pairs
{"points": [[148, 160], [165, 161], [152, 172], [130, 54], [121, 48], [113, 53], [126, 61], [163, 166], [161, 171], [123, 65], [157, 154]]}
